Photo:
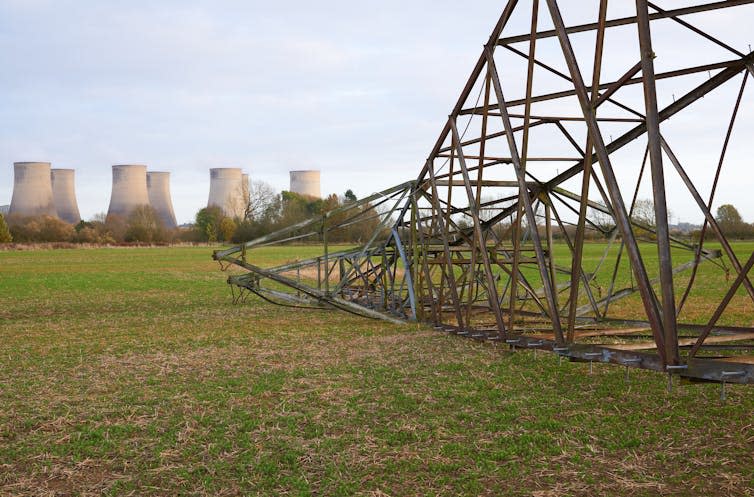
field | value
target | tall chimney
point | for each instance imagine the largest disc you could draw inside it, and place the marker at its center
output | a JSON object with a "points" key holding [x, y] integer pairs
{"points": [[158, 188], [129, 189], [226, 190], [64, 195], [32, 190], [306, 183]]}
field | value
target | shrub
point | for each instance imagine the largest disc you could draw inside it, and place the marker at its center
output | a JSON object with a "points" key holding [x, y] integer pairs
{"points": [[5, 236], [208, 223], [227, 228], [32, 229], [144, 225], [115, 227]]}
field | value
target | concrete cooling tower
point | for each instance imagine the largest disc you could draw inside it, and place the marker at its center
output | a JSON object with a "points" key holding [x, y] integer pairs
{"points": [[226, 190], [32, 190], [64, 195], [129, 189], [246, 188], [306, 183], [158, 188]]}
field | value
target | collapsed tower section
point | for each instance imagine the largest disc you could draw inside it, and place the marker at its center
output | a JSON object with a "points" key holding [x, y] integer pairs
{"points": [[522, 225]]}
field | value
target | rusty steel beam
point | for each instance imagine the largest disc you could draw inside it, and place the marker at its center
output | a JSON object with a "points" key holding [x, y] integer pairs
{"points": [[630, 20], [613, 86], [658, 185]]}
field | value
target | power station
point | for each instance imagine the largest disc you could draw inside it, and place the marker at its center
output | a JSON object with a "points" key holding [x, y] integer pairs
{"points": [[226, 190], [306, 183], [32, 190], [39, 190], [158, 189], [129, 189], [64, 195]]}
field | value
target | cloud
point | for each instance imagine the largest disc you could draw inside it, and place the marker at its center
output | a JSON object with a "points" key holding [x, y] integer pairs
{"points": [[357, 89]]}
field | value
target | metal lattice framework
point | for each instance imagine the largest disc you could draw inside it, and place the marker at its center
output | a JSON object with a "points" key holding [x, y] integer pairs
{"points": [[537, 149]]}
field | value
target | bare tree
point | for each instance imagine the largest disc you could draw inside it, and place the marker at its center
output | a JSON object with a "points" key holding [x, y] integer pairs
{"points": [[643, 212], [262, 198], [601, 218], [490, 207]]}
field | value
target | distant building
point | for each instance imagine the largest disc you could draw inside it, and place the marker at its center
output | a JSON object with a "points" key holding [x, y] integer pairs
{"points": [[227, 191], [158, 190], [32, 190], [684, 228], [306, 183], [129, 189], [64, 195]]}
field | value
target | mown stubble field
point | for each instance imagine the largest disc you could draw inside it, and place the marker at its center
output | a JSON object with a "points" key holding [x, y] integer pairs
{"points": [[130, 372]]}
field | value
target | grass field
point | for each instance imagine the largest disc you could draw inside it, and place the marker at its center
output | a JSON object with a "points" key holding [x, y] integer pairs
{"points": [[129, 372]]}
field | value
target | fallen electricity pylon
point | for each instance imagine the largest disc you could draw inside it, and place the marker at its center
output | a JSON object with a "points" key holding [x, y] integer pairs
{"points": [[469, 246]]}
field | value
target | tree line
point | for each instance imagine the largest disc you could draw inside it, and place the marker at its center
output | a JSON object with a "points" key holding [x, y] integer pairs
{"points": [[268, 211], [731, 224], [265, 212], [143, 225]]}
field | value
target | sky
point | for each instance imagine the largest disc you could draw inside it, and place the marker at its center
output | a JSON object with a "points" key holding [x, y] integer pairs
{"points": [[358, 90]]}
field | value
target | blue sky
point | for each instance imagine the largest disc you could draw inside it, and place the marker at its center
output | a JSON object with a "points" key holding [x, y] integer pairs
{"points": [[359, 90]]}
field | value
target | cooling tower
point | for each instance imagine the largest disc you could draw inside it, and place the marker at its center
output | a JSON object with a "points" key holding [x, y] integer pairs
{"points": [[226, 190], [129, 189], [246, 188], [158, 188], [64, 195], [32, 190], [305, 183]]}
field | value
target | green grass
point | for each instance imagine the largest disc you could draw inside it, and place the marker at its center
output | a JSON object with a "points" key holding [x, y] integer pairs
{"points": [[710, 285], [129, 372]]}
